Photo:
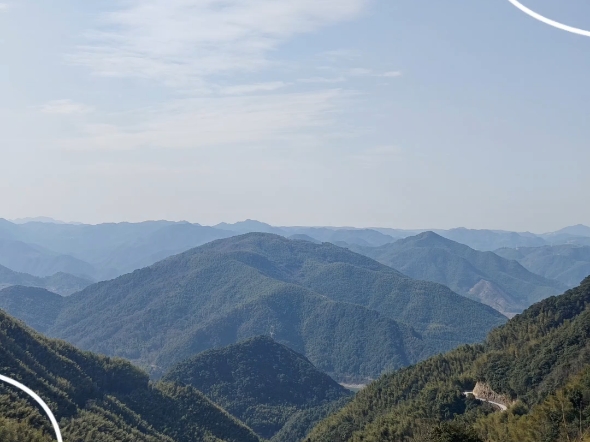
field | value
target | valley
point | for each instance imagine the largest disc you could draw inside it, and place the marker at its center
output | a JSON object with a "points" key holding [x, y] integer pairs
{"points": [[285, 334], [294, 221]]}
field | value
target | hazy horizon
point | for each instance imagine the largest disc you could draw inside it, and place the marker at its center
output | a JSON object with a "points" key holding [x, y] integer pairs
{"points": [[44, 219], [321, 113]]}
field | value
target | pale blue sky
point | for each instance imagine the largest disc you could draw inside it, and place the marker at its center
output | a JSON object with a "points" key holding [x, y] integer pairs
{"points": [[397, 113]]}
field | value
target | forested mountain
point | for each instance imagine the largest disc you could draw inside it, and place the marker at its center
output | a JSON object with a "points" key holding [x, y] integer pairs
{"points": [[577, 230], [99, 399], [538, 364], [568, 263], [62, 283], [352, 317], [37, 307], [489, 240], [251, 226], [574, 235], [262, 383], [500, 283]]}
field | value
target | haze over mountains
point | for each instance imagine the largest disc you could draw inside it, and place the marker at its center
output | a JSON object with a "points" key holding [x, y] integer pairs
{"points": [[531, 365], [567, 263], [310, 296], [105, 251], [81, 253], [62, 283], [500, 283], [264, 323]]}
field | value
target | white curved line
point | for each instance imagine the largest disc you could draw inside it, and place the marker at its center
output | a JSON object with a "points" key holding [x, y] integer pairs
{"points": [[39, 401], [549, 21]]}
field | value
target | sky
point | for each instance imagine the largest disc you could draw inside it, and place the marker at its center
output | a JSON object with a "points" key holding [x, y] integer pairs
{"points": [[389, 113]]}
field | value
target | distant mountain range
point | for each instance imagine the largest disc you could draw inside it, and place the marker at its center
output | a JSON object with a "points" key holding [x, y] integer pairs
{"points": [[349, 315], [43, 247], [264, 384], [35, 260], [101, 251], [366, 237], [246, 330], [500, 283], [39, 219], [61, 283], [567, 263], [96, 398]]}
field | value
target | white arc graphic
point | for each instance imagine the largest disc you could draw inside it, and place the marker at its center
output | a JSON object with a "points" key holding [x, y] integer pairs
{"points": [[39, 401], [549, 21]]}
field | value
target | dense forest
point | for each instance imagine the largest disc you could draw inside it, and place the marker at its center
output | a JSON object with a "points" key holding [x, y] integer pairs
{"points": [[330, 311], [264, 384], [537, 364], [352, 317], [99, 399], [37, 307]]}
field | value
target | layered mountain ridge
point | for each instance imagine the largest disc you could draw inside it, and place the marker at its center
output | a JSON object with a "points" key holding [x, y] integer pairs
{"points": [[349, 315], [99, 398], [498, 282], [538, 364], [62, 283]]}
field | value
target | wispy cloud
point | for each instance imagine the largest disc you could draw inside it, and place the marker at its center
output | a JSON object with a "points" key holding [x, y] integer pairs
{"points": [[182, 42], [210, 122], [3, 6], [200, 47], [65, 107], [241, 89]]}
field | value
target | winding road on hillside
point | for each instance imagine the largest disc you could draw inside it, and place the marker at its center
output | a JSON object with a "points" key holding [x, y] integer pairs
{"points": [[501, 406]]}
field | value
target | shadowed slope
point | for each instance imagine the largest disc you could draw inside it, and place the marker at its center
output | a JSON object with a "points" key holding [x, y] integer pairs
{"points": [[260, 381]]}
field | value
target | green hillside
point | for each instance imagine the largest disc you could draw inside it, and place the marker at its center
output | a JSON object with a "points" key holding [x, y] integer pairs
{"points": [[538, 364], [343, 311], [62, 283], [37, 307], [99, 399], [260, 382], [500, 283], [567, 263]]}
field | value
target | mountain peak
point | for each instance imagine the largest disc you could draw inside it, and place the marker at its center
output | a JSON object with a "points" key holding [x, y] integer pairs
{"points": [[249, 225], [428, 239], [261, 372], [577, 230]]}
